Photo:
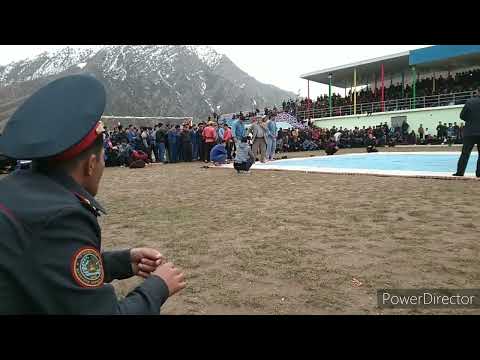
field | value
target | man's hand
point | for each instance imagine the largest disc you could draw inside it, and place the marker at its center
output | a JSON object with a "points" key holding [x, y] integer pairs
{"points": [[145, 260], [173, 277]]}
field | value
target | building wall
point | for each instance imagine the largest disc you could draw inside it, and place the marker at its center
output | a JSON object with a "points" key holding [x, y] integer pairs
{"points": [[429, 118]]}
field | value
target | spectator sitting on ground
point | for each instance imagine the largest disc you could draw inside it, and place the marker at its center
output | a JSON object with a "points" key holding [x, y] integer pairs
{"points": [[244, 157], [218, 154], [331, 147], [371, 144], [337, 136], [125, 150]]}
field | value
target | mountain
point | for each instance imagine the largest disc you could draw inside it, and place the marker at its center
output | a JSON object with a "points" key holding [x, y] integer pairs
{"points": [[150, 80]]}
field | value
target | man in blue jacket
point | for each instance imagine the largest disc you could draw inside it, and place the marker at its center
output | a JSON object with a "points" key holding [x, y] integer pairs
{"points": [[271, 138], [218, 154], [238, 131], [195, 138], [172, 145]]}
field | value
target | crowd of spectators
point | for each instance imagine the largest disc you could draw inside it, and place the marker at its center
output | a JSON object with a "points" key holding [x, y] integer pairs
{"points": [[427, 86], [314, 138], [218, 143], [166, 143]]}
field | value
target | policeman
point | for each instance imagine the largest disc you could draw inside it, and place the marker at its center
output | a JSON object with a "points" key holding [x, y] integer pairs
{"points": [[471, 133], [50, 244]]}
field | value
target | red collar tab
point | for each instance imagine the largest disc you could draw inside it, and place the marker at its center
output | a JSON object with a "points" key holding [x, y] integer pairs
{"points": [[88, 204]]}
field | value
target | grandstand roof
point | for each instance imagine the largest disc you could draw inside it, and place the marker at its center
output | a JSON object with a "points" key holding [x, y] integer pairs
{"points": [[429, 59]]}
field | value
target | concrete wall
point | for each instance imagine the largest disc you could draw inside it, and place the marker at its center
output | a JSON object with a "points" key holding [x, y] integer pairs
{"points": [[113, 121], [429, 118]]}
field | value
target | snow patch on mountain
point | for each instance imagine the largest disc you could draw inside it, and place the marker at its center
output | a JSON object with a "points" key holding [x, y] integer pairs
{"points": [[206, 54]]}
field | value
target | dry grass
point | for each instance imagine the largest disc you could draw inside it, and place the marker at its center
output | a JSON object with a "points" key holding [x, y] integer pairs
{"points": [[291, 243]]}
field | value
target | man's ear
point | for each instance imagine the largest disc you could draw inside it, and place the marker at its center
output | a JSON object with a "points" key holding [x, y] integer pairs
{"points": [[90, 165]]}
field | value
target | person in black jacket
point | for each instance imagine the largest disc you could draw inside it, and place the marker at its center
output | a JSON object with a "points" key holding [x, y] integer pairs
{"points": [[186, 140], [51, 259], [201, 142], [471, 133], [121, 136], [160, 136]]}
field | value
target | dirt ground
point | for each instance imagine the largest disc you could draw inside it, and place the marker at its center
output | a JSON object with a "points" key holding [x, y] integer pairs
{"points": [[294, 243]]}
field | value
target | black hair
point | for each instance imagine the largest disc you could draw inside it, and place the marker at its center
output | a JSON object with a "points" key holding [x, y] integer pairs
{"points": [[49, 165]]}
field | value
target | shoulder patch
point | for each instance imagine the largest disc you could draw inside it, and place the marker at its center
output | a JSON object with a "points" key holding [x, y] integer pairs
{"points": [[87, 268]]}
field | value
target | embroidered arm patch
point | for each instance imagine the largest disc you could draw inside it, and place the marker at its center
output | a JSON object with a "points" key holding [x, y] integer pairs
{"points": [[87, 268]]}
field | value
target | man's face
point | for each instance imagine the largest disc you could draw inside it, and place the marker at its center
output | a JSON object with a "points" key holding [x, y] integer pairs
{"points": [[96, 168]]}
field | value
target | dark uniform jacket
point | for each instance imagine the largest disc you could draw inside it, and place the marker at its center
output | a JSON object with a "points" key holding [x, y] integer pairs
{"points": [[44, 222], [471, 115]]}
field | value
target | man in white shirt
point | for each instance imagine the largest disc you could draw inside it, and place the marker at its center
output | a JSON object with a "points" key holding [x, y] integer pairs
{"points": [[337, 136]]}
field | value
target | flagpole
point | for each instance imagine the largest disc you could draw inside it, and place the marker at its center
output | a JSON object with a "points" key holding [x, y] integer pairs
{"points": [[414, 81], [382, 96], [308, 99], [355, 91], [330, 93], [403, 84], [433, 87]]}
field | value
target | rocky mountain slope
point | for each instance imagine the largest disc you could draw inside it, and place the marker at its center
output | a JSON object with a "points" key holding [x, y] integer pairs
{"points": [[150, 80]]}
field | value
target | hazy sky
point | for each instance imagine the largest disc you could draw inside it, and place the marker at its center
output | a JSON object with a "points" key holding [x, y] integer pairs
{"points": [[279, 65]]}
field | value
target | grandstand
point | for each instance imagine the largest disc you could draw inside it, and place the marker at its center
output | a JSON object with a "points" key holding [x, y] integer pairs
{"points": [[420, 86]]}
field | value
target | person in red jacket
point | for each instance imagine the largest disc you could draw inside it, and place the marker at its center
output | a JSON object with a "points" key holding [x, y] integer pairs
{"points": [[228, 138], [210, 135]]}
